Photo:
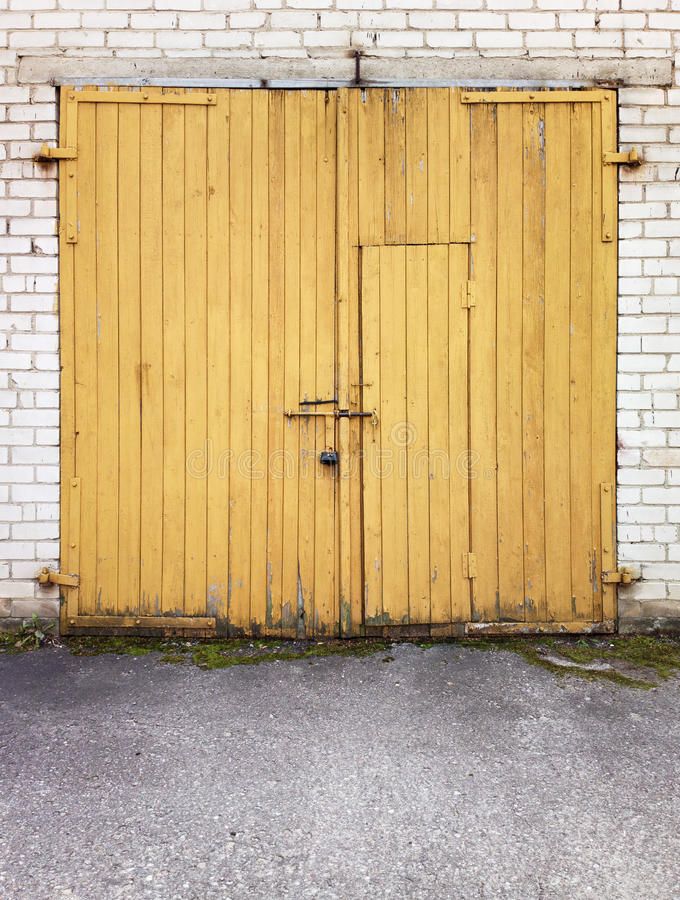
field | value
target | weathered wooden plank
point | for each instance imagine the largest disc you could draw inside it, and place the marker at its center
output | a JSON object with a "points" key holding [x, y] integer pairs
{"points": [[556, 423], [108, 411], [259, 359], [372, 436], [394, 432], [276, 467], [580, 363], [240, 378], [325, 535], [395, 166], [371, 150], [290, 619], [482, 370], [218, 370], [438, 165], [438, 456], [416, 166], [413, 432], [533, 361], [174, 360], [195, 336], [151, 372]]}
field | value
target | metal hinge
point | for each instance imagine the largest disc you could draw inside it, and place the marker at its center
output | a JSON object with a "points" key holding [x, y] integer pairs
{"points": [[625, 158], [467, 295], [46, 152], [50, 576], [469, 565], [620, 576]]}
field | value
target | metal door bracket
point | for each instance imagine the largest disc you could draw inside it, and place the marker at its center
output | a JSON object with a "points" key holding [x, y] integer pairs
{"points": [[469, 565], [620, 576], [47, 153], [50, 576], [625, 158], [468, 295]]}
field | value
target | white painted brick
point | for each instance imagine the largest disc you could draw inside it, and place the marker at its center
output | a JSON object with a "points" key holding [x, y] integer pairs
{"points": [[278, 39], [498, 39], [482, 20], [531, 21], [428, 20]]}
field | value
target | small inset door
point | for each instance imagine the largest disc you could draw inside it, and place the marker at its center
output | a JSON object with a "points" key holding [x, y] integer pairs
{"points": [[414, 371]]}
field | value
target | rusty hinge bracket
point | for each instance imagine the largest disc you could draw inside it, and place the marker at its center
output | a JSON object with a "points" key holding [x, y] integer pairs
{"points": [[46, 153], [620, 576], [49, 576], [468, 297], [469, 565], [625, 158]]}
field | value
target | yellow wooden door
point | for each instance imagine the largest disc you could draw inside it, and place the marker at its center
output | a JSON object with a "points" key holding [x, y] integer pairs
{"points": [[197, 303], [477, 310], [419, 283]]}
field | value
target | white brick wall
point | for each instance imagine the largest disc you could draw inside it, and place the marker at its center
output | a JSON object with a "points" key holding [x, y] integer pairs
{"points": [[649, 361]]}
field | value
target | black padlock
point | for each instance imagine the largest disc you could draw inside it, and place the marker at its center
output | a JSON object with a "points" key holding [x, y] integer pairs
{"points": [[328, 458]]}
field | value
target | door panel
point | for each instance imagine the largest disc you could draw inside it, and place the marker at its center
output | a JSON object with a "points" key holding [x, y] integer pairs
{"points": [[203, 299], [414, 372], [528, 191], [541, 422]]}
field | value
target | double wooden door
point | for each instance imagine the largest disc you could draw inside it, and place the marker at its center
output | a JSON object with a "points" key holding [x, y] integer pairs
{"points": [[337, 362]]}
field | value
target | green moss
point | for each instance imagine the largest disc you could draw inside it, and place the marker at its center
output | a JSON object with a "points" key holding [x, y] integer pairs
{"points": [[221, 654], [637, 661]]}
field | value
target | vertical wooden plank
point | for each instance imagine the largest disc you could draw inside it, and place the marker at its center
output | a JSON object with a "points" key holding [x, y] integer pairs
{"points": [[129, 323], [356, 396], [195, 325], [416, 166], [151, 372], [605, 257], [307, 359], [277, 464], [460, 184], [325, 539], [533, 361], [240, 329], [482, 372], [343, 261], [259, 360], [290, 620], [580, 362], [107, 357], [174, 384], [556, 442], [460, 466], [218, 369], [509, 362], [394, 428], [438, 165], [371, 353], [439, 459], [370, 111], [413, 436], [395, 166], [67, 436]]}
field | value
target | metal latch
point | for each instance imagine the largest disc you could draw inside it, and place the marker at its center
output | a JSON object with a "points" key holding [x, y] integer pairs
{"points": [[469, 565], [49, 576], [620, 576], [46, 152], [625, 158]]}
